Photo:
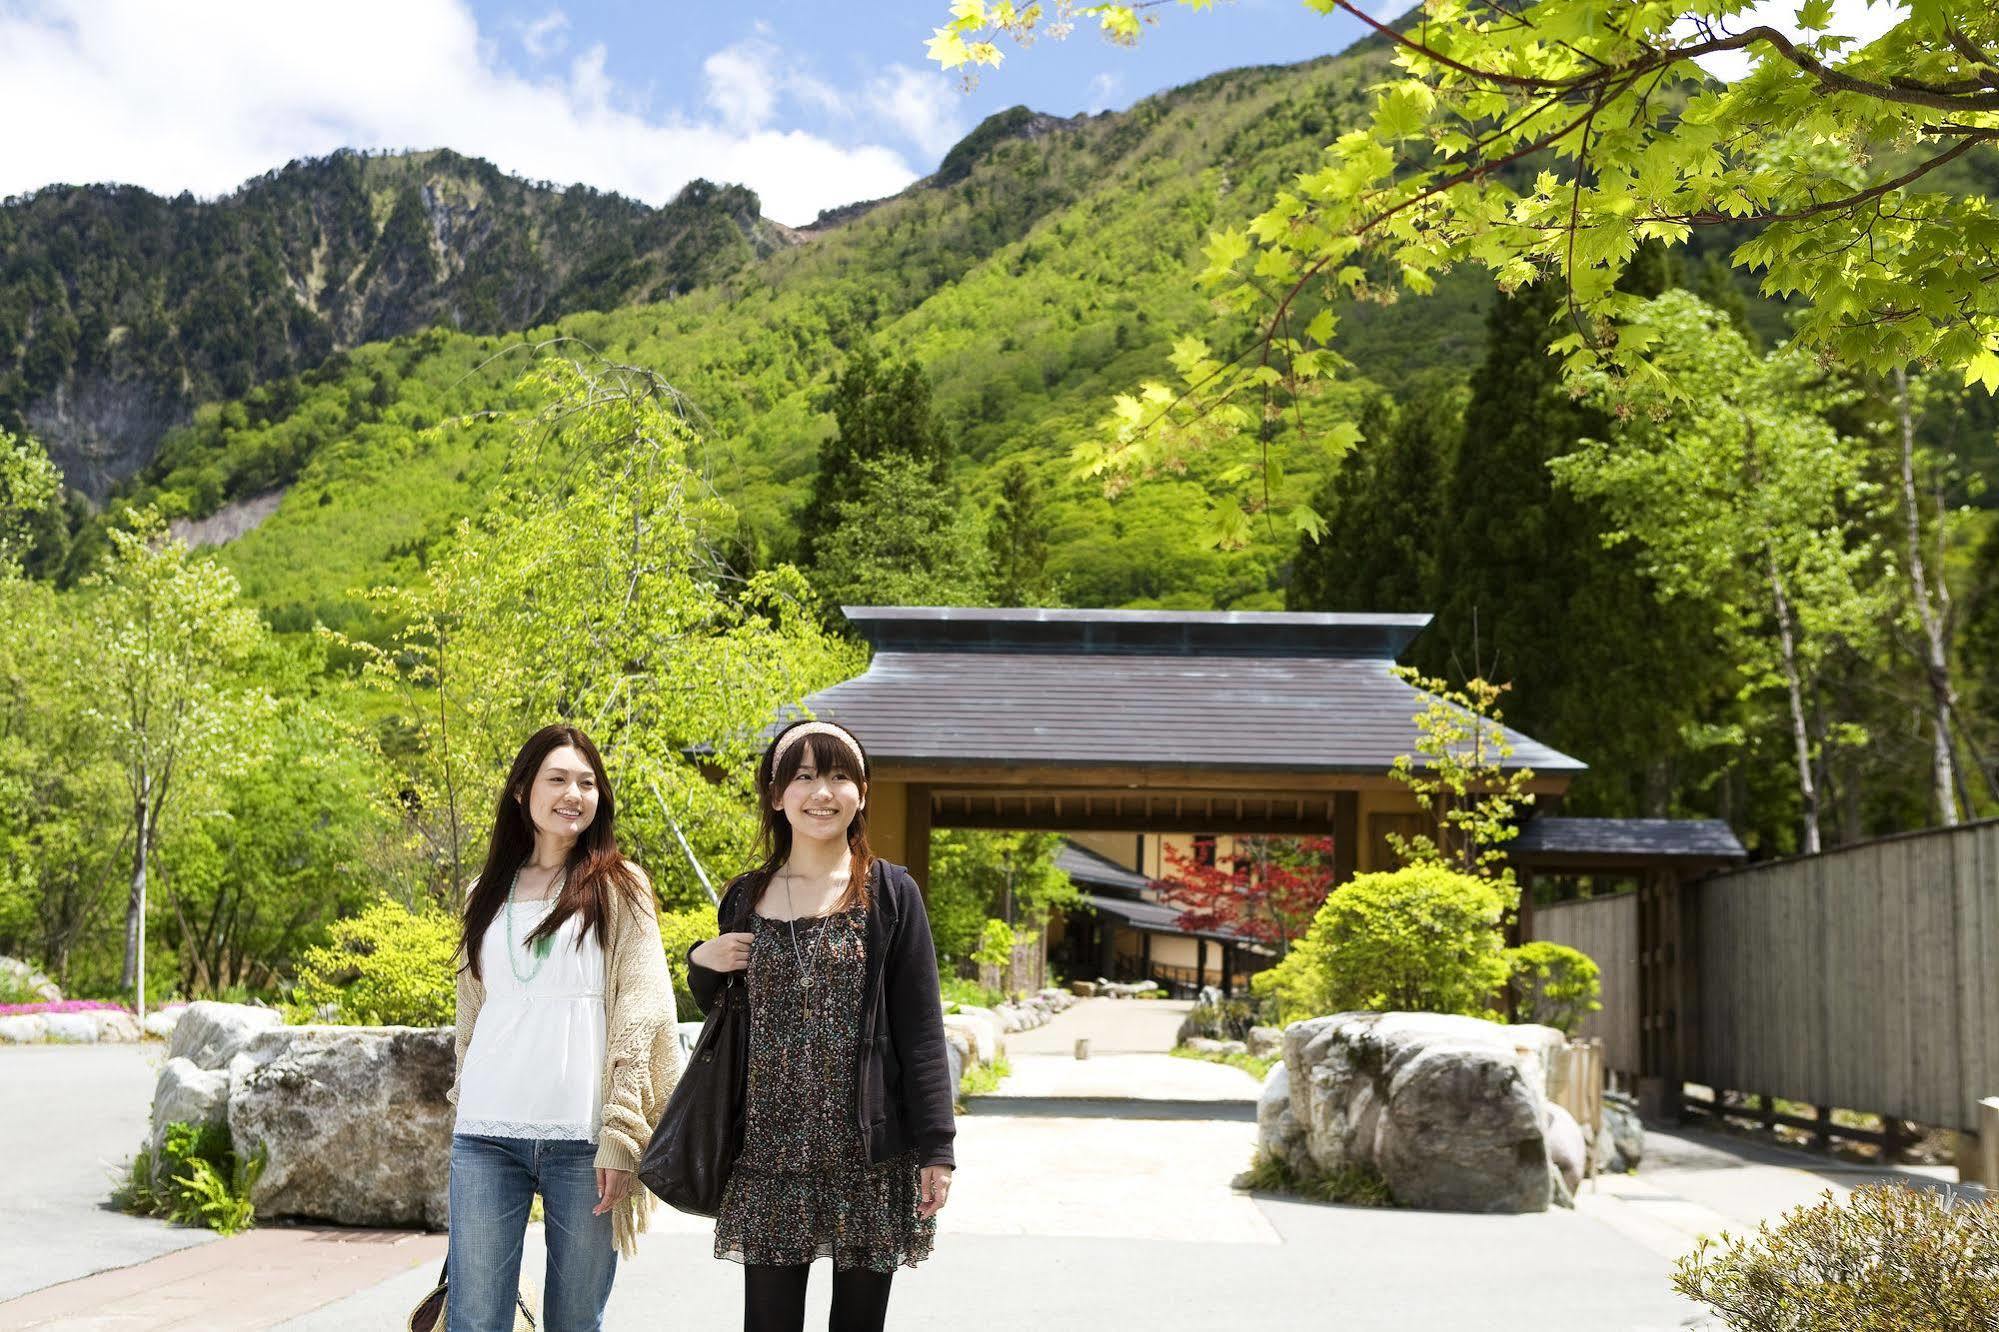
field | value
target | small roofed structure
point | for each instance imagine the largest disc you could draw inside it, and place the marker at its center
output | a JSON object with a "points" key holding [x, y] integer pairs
{"points": [[1125, 919]]}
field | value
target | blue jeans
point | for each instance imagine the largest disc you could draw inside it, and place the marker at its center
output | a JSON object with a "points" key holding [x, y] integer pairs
{"points": [[493, 1182]]}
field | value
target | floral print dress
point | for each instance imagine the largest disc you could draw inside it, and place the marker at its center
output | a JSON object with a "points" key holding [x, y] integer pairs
{"points": [[803, 1188]]}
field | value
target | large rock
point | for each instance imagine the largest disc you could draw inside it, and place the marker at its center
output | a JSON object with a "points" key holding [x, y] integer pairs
{"points": [[210, 1033], [71, 1028], [23, 976], [187, 1093], [1278, 1131], [115, 1024], [162, 1021], [1621, 1145], [23, 1029], [954, 1059], [1266, 1042], [1567, 1154], [1448, 1111], [353, 1122], [981, 1027]]}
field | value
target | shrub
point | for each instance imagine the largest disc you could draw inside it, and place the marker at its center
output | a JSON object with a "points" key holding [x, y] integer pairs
{"points": [[958, 990], [388, 966], [996, 944], [1355, 1186], [1552, 984], [1229, 1020], [1889, 1259], [1422, 939], [199, 1180], [678, 932]]}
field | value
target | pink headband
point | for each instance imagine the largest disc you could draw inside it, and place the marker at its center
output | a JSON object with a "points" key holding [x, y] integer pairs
{"points": [[784, 742]]}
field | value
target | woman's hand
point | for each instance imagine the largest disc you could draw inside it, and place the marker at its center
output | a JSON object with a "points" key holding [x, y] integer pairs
{"points": [[613, 1186], [724, 952], [936, 1190]]}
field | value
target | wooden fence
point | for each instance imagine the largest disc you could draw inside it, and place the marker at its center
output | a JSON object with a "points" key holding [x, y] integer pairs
{"points": [[1865, 977], [1605, 928]]}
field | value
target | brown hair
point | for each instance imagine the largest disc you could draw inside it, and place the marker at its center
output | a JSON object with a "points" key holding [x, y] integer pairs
{"points": [[827, 753], [596, 868]]}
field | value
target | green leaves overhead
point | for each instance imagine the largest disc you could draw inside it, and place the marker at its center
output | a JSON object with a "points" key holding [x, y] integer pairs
{"points": [[1829, 151]]}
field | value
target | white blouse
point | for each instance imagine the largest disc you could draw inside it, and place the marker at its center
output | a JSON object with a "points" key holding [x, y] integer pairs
{"points": [[535, 1064]]}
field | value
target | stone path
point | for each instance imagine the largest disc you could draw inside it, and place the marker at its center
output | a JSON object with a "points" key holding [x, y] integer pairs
{"points": [[1095, 1193]]}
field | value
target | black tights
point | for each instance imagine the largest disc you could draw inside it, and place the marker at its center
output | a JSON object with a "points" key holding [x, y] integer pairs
{"points": [[774, 1299]]}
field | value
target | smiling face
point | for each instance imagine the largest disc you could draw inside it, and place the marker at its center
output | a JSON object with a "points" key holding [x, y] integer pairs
{"points": [[821, 798], [562, 799]]}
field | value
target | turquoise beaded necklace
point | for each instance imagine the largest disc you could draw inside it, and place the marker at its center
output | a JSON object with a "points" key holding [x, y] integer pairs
{"points": [[542, 945]]}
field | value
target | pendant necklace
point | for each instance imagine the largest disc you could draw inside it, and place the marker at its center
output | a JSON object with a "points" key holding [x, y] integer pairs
{"points": [[542, 945], [797, 957]]}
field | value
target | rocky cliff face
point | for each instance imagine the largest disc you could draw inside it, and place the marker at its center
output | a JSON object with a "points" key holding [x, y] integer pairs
{"points": [[120, 309]]}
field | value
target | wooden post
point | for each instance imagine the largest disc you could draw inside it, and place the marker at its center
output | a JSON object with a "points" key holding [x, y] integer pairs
{"points": [[916, 836], [1228, 969], [1822, 1135], [1346, 835], [1200, 964], [1144, 954], [1522, 928], [1769, 1113]]}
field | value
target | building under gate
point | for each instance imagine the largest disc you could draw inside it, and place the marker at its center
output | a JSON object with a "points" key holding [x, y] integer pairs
{"points": [[1123, 727]]}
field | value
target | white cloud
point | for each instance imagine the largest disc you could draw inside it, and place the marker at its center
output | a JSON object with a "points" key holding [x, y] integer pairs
{"points": [[1103, 91], [1862, 20], [546, 36], [919, 103], [202, 97], [742, 84]]}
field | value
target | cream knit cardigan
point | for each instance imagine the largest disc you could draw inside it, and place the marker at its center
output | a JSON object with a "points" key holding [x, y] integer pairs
{"points": [[642, 1047]]}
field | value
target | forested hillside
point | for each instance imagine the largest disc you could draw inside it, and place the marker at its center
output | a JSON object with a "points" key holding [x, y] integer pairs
{"points": [[120, 310]]}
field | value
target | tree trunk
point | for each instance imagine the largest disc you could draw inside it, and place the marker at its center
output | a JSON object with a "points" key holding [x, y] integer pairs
{"points": [[1794, 685], [1936, 646], [135, 907]]}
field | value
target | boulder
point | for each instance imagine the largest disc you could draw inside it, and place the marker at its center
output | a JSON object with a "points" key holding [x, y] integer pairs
{"points": [[1567, 1155], [1207, 1046], [982, 1027], [959, 1042], [1279, 1134], [352, 1121], [1266, 1042], [1448, 1111], [210, 1033], [954, 1060], [187, 1093], [162, 1021], [23, 976], [1084, 989], [115, 1024], [70, 1028], [1621, 1145], [23, 1029]]}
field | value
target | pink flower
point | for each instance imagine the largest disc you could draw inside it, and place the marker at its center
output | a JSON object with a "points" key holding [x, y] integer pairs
{"points": [[65, 1006]]}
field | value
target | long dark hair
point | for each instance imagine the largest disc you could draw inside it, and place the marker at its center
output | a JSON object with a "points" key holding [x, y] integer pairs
{"points": [[596, 868], [827, 753]]}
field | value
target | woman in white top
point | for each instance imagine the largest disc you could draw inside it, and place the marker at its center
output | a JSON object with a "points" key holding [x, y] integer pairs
{"points": [[566, 1045]]}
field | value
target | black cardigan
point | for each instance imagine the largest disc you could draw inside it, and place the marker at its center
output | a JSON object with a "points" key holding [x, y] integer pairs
{"points": [[903, 1091]]}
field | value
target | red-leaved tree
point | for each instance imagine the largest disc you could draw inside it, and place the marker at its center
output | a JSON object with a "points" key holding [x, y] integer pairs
{"points": [[1267, 893]]}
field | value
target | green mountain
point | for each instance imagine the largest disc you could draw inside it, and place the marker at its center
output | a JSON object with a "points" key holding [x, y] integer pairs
{"points": [[120, 310]]}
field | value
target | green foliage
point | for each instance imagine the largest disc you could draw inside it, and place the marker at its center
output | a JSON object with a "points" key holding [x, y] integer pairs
{"points": [[1423, 939], [1559, 140], [1462, 780], [589, 580], [959, 991], [28, 487], [167, 303], [1739, 494], [1552, 984], [1017, 540], [1228, 1020], [388, 966], [881, 413], [979, 1079], [1889, 1258], [901, 539], [198, 1180], [1355, 1186], [678, 932], [978, 875], [996, 944]]}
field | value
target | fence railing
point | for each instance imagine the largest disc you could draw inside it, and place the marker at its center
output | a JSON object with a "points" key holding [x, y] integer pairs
{"points": [[1865, 977], [1606, 929]]}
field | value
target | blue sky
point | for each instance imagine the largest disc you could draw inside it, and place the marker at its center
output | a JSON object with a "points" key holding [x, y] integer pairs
{"points": [[811, 104]]}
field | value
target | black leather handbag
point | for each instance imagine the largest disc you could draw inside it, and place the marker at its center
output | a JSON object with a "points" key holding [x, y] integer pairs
{"points": [[700, 1133]]}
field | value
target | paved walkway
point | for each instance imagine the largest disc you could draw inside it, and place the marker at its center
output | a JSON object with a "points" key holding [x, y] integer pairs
{"points": [[1092, 1193]]}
